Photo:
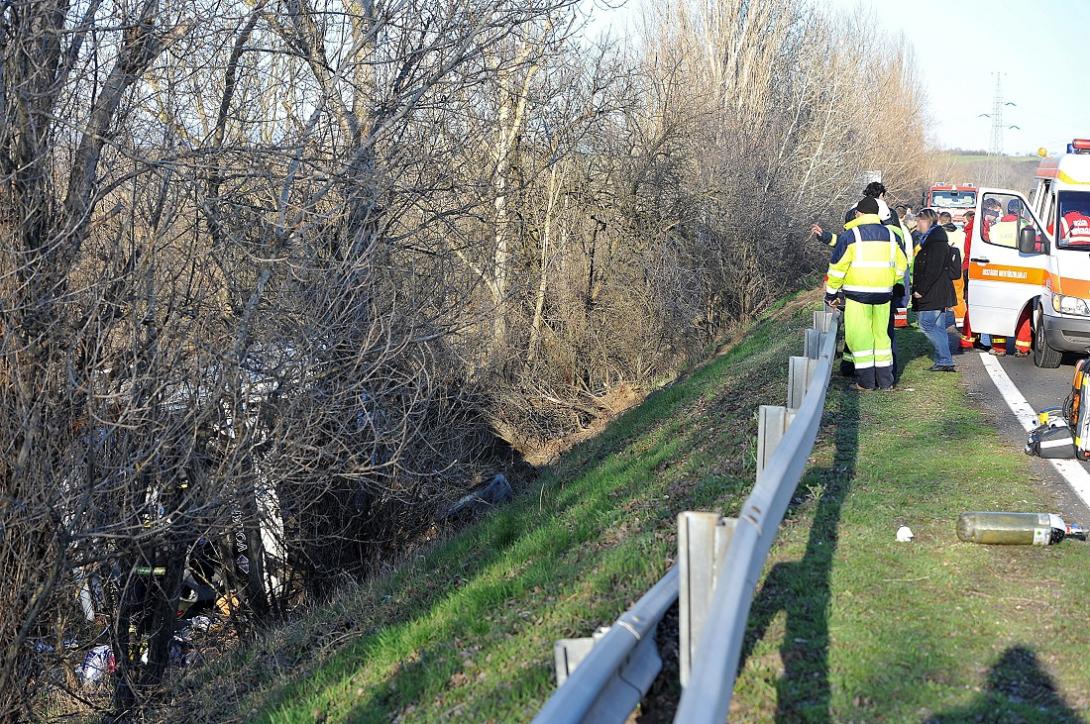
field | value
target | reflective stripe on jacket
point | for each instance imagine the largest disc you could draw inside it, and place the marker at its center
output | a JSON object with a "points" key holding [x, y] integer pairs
{"points": [[902, 233], [867, 261]]}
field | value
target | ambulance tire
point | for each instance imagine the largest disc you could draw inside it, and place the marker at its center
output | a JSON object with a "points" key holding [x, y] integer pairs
{"points": [[1043, 355]]}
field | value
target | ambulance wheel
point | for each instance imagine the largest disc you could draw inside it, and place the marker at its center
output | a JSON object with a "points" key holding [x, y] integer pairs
{"points": [[1043, 355]]}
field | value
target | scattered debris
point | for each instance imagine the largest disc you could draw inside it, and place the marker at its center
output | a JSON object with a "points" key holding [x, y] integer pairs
{"points": [[98, 662], [201, 624], [1053, 437], [496, 492], [228, 604], [182, 653]]}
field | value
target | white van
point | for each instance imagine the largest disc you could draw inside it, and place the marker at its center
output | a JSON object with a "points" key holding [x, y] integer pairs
{"points": [[1029, 262]]}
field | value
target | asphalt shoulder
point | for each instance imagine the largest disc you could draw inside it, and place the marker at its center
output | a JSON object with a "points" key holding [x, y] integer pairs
{"points": [[982, 391]]}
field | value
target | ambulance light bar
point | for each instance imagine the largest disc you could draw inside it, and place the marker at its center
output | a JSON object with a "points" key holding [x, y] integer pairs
{"points": [[1079, 145]]}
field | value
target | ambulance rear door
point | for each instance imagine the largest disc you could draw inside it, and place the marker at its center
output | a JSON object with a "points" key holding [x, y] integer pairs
{"points": [[1002, 279]]}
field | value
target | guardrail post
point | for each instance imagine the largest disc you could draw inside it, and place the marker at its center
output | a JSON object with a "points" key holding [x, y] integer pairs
{"points": [[811, 347], [625, 690], [703, 539], [799, 372], [772, 423], [713, 670], [603, 679], [567, 653]]}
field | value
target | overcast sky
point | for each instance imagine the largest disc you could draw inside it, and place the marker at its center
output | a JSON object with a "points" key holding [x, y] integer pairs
{"points": [[1042, 48]]}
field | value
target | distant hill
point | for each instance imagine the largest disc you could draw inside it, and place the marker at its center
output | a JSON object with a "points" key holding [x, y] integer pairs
{"points": [[1014, 172]]}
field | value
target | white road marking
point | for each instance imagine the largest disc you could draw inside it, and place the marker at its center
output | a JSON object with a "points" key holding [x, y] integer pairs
{"points": [[1072, 471]]}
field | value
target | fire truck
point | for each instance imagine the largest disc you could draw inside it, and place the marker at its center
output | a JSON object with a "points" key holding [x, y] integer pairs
{"points": [[955, 198]]}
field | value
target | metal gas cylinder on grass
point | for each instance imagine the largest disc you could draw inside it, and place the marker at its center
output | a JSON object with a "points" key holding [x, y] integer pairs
{"points": [[1039, 529]]}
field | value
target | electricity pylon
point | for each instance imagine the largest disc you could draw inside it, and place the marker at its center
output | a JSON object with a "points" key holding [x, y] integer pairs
{"points": [[997, 150]]}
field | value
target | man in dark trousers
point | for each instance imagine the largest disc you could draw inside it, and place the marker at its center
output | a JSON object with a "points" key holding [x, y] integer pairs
{"points": [[933, 289]]}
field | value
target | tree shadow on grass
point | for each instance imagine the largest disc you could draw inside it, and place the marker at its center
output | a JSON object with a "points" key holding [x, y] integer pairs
{"points": [[802, 588], [1018, 690]]}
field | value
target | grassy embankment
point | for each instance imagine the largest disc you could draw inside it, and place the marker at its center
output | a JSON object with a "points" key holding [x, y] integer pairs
{"points": [[850, 624], [847, 624]]}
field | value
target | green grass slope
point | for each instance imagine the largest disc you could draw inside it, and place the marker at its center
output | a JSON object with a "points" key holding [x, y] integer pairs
{"points": [[850, 625], [846, 625], [466, 631]]}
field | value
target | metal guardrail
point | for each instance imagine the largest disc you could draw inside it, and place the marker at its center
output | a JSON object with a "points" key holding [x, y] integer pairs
{"points": [[603, 678], [616, 668], [706, 698]]}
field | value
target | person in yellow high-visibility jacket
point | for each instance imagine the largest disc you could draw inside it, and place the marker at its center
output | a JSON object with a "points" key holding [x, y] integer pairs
{"points": [[866, 263], [851, 220]]}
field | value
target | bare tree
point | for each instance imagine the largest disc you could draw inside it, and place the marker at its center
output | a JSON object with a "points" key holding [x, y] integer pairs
{"points": [[280, 281]]}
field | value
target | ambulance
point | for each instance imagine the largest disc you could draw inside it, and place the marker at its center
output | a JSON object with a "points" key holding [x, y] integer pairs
{"points": [[1029, 263]]}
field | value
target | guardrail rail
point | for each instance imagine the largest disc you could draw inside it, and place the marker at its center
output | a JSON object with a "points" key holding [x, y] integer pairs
{"points": [[603, 678]]}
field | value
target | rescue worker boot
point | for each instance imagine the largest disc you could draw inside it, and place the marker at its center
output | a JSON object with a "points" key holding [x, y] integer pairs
{"points": [[1023, 343]]}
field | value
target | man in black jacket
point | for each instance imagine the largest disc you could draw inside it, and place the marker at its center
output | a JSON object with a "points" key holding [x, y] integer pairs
{"points": [[933, 289]]}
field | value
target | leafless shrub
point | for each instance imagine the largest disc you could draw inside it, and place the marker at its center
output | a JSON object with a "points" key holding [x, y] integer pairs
{"points": [[276, 276]]}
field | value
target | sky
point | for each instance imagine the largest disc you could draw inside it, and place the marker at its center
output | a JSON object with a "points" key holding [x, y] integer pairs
{"points": [[1041, 48]]}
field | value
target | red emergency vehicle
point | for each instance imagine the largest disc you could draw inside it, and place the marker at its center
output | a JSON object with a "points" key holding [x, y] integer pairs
{"points": [[955, 198]]}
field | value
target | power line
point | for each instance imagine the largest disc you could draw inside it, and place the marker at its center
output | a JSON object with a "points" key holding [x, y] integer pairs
{"points": [[998, 127]]}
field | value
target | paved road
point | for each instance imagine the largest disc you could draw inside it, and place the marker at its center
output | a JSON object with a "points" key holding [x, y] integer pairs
{"points": [[1041, 388]]}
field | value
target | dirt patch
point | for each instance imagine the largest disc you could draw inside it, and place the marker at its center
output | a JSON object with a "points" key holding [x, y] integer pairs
{"points": [[612, 403]]}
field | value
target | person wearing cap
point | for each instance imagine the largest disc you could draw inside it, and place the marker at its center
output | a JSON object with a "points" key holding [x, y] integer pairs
{"points": [[898, 308], [1014, 211], [898, 312], [876, 191], [866, 263], [889, 216], [847, 364], [990, 211]]}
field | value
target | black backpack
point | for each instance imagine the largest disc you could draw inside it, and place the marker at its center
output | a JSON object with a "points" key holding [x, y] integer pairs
{"points": [[953, 264]]}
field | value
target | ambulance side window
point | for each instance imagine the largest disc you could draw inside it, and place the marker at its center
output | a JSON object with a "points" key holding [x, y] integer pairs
{"points": [[1003, 217], [1073, 218]]}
